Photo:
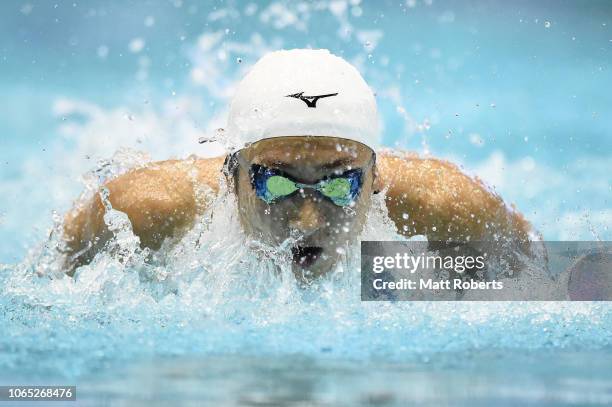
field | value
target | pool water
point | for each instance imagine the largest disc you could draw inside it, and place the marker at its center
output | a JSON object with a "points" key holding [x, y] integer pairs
{"points": [[210, 304], [469, 379], [515, 93]]}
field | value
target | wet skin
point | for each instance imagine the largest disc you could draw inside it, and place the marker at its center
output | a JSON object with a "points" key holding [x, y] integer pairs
{"points": [[424, 196], [321, 228]]}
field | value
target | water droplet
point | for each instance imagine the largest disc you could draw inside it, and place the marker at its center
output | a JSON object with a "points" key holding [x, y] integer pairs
{"points": [[433, 228], [349, 211], [404, 215], [206, 139], [547, 24], [136, 45]]}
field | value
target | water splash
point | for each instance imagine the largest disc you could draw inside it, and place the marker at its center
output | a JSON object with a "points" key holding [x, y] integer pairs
{"points": [[216, 292]]}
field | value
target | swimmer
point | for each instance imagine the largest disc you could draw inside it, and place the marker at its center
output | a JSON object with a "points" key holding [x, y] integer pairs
{"points": [[308, 169]]}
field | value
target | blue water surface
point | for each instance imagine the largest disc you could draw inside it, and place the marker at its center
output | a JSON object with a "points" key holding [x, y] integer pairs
{"points": [[516, 93]]}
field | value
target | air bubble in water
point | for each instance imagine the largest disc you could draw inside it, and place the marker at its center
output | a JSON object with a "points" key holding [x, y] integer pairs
{"points": [[404, 215], [547, 24], [239, 60]]}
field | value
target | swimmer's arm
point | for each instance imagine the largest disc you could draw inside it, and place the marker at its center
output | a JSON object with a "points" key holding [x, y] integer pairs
{"points": [[433, 197], [160, 200]]}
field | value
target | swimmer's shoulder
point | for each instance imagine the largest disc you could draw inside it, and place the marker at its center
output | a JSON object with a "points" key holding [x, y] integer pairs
{"points": [[209, 171], [393, 165], [203, 171]]}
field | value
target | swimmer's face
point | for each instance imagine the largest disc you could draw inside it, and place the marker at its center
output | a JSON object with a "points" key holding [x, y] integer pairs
{"points": [[316, 190]]}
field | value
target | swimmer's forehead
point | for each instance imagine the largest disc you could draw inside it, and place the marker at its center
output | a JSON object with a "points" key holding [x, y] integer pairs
{"points": [[320, 152]]}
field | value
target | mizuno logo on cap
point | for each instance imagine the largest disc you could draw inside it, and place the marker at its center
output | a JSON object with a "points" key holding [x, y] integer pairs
{"points": [[311, 101]]}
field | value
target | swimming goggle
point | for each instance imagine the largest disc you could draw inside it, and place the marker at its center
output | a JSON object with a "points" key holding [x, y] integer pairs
{"points": [[272, 185]]}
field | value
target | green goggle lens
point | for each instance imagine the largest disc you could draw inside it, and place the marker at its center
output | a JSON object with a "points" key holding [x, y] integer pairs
{"points": [[280, 186], [271, 186], [336, 188]]}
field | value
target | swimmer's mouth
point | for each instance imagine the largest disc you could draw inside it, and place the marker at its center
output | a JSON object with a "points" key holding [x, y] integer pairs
{"points": [[306, 256]]}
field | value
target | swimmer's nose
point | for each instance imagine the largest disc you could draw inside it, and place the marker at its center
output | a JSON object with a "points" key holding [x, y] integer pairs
{"points": [[308, 218]]}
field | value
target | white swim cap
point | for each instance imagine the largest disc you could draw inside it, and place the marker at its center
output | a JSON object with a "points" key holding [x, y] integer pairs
{"points": [[303, 92]]}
